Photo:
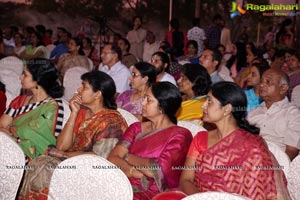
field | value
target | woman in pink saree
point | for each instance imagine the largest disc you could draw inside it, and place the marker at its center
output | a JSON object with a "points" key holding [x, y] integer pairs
{"points": [[149, 152], [231, 158]]}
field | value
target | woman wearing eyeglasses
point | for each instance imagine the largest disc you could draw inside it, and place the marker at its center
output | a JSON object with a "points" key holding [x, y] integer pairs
{"points": [[143, 75], [150, 153]]}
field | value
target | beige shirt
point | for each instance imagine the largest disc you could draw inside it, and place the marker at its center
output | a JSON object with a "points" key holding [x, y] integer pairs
{"points": [[136, 39], [279, 124]]}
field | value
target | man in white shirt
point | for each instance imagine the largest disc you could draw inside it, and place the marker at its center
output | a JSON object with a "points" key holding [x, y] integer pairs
{"points": [[196, 33], [111, 64], [151, 46], [161, 61], [277, 118]]}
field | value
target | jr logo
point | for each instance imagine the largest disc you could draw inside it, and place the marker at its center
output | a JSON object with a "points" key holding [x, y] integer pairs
{"points": [[236, 10]]}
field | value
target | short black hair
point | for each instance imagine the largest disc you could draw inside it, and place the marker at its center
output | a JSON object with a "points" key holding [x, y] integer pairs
{"points": [[146, 69]]}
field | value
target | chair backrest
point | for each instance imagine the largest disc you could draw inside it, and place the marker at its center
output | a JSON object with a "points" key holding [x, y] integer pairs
{"points": [[129, 118], [89, 177], [12, 162], [282, 158], [50, 47], [12, 82], [91, 64], [72, 81], [293, 178], [192, 126], [215, 196], [13, 63]]}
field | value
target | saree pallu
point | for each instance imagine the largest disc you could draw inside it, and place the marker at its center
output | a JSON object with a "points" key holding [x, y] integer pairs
{"points": [[241, 163], [36, 124], [133, 106], [106, 124], [166, 150], [191, 109]]}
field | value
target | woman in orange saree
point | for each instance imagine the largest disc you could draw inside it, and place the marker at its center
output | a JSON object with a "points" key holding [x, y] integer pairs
{"points": [[93, 120]]}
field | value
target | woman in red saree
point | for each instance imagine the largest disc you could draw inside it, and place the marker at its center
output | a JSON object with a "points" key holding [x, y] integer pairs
{"points": [[93, 120], [149, 152], [231, 158]]}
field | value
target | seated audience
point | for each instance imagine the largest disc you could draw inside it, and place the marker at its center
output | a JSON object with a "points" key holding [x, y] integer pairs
{"points": [[294, 70], [211, 60], [161, 62], [194, 83], [253, 83], [191, 53], [90, 51], [19, 48], [111, 64], [36, 49], [74, 58], [151, 46], [143, 75], [174, 67], [62, 44], [93, 120], [128, 59], [149, 150], [277, 118], [32, 120], [231, 158]]}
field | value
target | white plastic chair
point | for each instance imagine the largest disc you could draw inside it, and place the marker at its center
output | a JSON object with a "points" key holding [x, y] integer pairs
{"points": [[129, 118], [192, 126], [12, 63], [215, 196], [293, 178], [12, 162], [91, 64], [50, 47], [282, 158], [89, 177], [72, 81], [12, 82]]}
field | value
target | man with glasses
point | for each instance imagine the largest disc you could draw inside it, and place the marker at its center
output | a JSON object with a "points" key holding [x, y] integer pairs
{"points": [[111, 64], [211, 59]]}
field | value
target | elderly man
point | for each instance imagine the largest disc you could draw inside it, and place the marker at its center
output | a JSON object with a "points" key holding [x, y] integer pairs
{"points": [[211, 60], [111, 55], [277, 118]]}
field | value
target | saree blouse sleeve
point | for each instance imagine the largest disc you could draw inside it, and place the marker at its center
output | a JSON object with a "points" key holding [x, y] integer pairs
{"points": [[130, 134], [198, 145]]}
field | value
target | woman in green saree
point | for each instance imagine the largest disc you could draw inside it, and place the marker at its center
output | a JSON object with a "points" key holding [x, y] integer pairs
{"points": [[35, 120]]}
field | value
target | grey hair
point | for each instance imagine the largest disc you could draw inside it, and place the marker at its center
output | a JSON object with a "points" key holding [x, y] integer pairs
{"points": [[284, 79]]}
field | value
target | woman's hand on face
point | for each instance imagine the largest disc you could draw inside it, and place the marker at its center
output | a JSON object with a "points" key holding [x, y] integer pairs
{"points": [[75, 103]]}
